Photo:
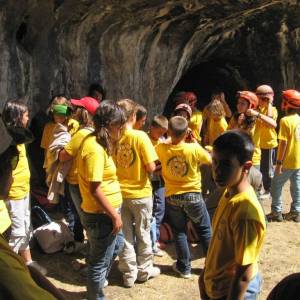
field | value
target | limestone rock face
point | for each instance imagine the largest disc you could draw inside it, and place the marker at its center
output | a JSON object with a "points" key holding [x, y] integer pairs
{"points": [[141, 49]]}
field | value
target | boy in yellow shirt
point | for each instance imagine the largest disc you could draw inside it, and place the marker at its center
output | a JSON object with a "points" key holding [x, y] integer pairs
{"points": [[268, 135], [231, 270], [135, 157], [288, 159], [180, 163]]}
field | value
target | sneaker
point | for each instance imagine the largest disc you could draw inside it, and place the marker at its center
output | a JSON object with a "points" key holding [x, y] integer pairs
{"points": [[129, 282], [152, 273], [38, 267], [292, 216], [105, 284], [183, 275], [275, 217]]}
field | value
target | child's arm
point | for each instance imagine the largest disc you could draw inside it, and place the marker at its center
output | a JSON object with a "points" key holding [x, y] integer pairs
{"points": [[280, 156], [227, 109], [240, 282], [64, 155], [268, 121]]}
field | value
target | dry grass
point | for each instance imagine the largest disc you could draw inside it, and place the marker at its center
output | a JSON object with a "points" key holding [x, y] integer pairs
{"points": [[280, 257]]}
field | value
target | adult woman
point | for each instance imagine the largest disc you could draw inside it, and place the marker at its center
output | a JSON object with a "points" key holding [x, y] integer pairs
{"points": [[101, 195]]}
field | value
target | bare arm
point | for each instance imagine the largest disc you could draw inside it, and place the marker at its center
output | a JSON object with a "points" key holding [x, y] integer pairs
{"points": [[227, 109], [150, 168], [96, 191], [64, 156], [240, 282], [268, 121], [280, 156]]}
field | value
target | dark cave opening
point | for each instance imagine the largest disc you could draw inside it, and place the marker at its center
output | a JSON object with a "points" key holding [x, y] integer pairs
{"points": [[206, 78]]}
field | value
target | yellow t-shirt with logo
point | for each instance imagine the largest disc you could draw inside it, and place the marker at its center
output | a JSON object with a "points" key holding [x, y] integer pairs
{"points": [[72, 149], [134, 151], [21, 175], [195, 124], [268, 135], [289, 131], [16, 279], [215, 129], [254, 132], [94, 165], [238, 233], [180, 167], [5, 221]]}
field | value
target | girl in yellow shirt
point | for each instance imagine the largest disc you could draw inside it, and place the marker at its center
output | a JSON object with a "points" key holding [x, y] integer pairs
{"points": [[101, 194], [15, 115]]}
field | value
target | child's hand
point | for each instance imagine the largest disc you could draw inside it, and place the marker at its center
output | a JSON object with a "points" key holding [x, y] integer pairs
{"points": [[278, 169], [117, 224], [241, 119], [251, 112]]}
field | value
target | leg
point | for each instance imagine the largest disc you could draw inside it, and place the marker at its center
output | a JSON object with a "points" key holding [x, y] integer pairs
{"points": [[266, 167], [158, 208], [127, 262], [276, 190], [197, 212], [178, 220], [102, 245], [295, 191], [142, 210]]}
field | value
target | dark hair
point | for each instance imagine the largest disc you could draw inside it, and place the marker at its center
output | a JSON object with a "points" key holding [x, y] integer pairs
{"points": [[96, 87], [178, 126], [235, 143], [13, 112], [160, 121], [141, 111], [85, 118], [108, 113], [247, 124]]}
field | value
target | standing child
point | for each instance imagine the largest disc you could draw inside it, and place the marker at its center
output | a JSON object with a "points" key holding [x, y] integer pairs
{"points": [[158, 128], [15, 114], [180, 163], [268, 140], [288, 159], [135, 158], [231, 266]]}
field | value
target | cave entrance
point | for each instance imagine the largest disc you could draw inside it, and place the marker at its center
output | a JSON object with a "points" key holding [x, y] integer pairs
{"points": [[206, 78]]}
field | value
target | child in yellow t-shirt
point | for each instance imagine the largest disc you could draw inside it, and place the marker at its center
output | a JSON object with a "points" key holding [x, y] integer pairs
{"points": [[238, 226], [216, 122], [180, 163], [101, 195], [158, 129], [268, 135], [135, 157], [288, 159], [15, 114]]}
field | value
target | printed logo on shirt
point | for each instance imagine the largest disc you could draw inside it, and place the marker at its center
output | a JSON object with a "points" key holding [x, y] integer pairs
{"points": [[178, 166], [297, 132], [125, 156]]}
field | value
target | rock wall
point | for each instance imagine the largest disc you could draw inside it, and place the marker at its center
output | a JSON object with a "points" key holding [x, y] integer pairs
{"points": [[141, 49]]}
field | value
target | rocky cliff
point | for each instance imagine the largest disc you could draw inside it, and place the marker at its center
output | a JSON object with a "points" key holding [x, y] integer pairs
{"points": [[145, 49]]}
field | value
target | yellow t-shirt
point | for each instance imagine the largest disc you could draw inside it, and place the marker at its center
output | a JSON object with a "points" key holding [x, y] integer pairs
{"points": [[268, 136], [196, 123], [134, 151], [180, 167], [47, 136], [94, 165], [289, 131], [5, 221], [254, 132], [21, 176], [72, 149], [16, 280], [238, 233], [215, 128]]}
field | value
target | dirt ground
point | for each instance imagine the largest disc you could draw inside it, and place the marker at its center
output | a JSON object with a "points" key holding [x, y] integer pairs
{"points": [[280, 256]]}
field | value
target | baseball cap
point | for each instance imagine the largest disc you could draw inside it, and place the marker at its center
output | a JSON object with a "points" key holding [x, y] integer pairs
{"points": [[184, 107], [89, 103]]}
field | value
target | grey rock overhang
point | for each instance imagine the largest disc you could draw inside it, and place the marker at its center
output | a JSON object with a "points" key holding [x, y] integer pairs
{"points": [[141, 49]]}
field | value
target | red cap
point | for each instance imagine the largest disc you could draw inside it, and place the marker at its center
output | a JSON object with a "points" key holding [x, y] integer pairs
{"points": [[89, 103], [184, 107]]}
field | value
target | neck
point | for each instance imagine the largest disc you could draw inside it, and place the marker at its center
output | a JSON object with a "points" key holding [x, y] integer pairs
{"points": [[241, 186], [129, 125], [177, 141]]}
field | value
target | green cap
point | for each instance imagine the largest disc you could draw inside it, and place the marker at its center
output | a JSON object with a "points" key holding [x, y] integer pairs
{"points": [[62, 110]]}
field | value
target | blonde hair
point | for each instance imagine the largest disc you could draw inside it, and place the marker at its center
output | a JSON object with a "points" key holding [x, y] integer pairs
{"points": [[160, 121], [58, 100], [216, 108], [129, 107]]}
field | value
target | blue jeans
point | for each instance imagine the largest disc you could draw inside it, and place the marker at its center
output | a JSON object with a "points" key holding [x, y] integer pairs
{"points": [[277, 185], [158, 192], [266, 167], [180, 208], [104, 247]]}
